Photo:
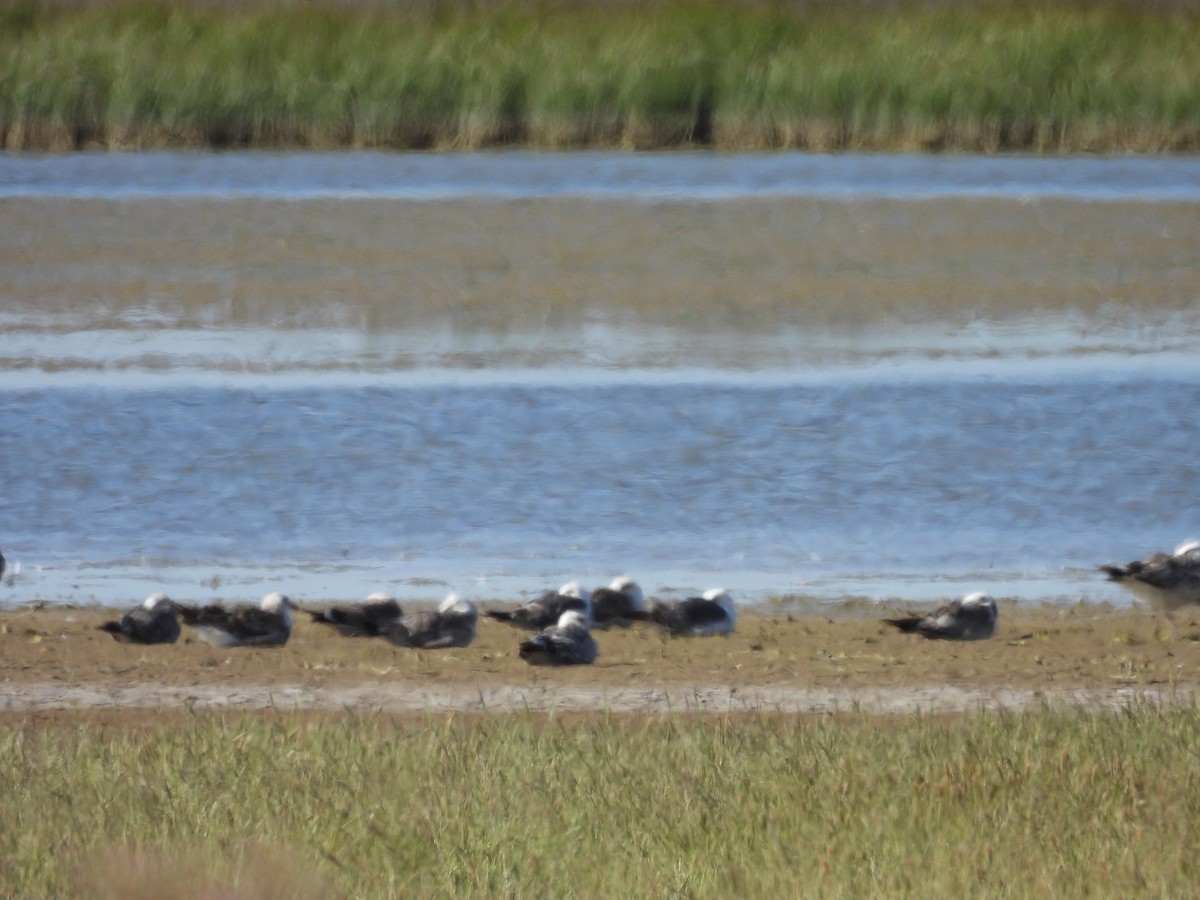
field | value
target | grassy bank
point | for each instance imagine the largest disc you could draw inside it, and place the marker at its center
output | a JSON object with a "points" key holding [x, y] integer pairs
{"points": [[1064, 803], [1056, 77]]}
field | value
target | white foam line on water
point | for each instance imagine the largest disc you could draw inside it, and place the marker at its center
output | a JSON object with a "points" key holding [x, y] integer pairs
{"points": [[649, 196], [1104, 367], [804, 589]]}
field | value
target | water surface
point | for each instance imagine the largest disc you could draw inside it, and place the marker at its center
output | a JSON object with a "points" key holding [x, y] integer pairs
{"points": [[529, 174], [895, 378]]}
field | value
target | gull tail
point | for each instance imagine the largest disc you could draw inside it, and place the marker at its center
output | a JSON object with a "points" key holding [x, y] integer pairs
{"points": [[1116, 573], [189, 614], [113, 628]]}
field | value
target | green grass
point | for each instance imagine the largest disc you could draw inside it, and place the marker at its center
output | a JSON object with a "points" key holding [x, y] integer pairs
{"points": [[1045, 803], [1031, 76]]}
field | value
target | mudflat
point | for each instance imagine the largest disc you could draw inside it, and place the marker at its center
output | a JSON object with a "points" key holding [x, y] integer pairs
{"points": [[749, 264], [54, 658]]}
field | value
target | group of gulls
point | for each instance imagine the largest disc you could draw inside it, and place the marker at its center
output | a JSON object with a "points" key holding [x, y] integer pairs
{"points": [[563, 619], [1165, 581]]}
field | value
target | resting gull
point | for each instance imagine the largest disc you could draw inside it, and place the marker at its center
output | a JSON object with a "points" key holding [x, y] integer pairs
{"points": [[154, 622], [971, 618], [711, 613], [547, 609], [452, 624], [1166, 582], [618, 603], [266, 625], [567, 643], [360, 619]]}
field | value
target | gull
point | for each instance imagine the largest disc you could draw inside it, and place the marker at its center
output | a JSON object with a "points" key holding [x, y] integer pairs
{"points": [[1166, 582], [971, 618], [265, 625], [618, 603], [360, 619], [711, 613], [566, 643], [547, 609], [452, 624], [154, 622]]}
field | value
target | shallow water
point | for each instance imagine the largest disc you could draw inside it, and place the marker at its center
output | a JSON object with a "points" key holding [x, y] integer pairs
{"points": [[894, 487], [526, 174], [898, 399]]}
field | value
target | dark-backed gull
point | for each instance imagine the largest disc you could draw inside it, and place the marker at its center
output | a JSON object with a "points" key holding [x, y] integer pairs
{"points": [[971, 618], [154, 622], [566, 643], [452, 624], [547, 609], [266, 625], [711, 613], [618, 603], [1166, 582], [360, 619]]}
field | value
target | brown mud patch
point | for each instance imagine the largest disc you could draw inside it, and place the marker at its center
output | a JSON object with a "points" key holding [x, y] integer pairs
{"points": [[753, 265], [54, 659]]}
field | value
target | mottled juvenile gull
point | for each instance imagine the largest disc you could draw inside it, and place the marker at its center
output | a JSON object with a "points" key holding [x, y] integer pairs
{"points": [[711, 613], [567, 643], [618, 603], [266, 625], [970, 618], [360, 619], [154, 622], [452, 624], [547, 609], [1166, 581]]}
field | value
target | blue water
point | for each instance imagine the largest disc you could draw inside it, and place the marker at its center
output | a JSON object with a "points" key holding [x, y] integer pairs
{"points": [[527, 174], [886, 488], [909, 464]]}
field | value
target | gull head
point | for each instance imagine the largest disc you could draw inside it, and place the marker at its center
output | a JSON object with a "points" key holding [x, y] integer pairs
{"points": [[627, 586], [979, 598], [573, 589], [721, 597], [154, 601], [572, 618], [275, 602], [460, 606]]}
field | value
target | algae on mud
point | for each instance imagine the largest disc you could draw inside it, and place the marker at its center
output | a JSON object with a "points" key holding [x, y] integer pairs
{"points": [[1042, 77]]}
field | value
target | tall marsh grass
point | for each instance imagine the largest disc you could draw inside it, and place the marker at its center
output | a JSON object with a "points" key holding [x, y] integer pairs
{"points": [[1046, 77], [1045, 803]]}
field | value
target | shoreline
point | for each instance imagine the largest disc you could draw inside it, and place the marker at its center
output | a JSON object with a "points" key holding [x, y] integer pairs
{"points": [[55, 661]]}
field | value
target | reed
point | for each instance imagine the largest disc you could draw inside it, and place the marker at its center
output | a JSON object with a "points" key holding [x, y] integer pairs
{"points": [[1043, 77], [1064, 802]]}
